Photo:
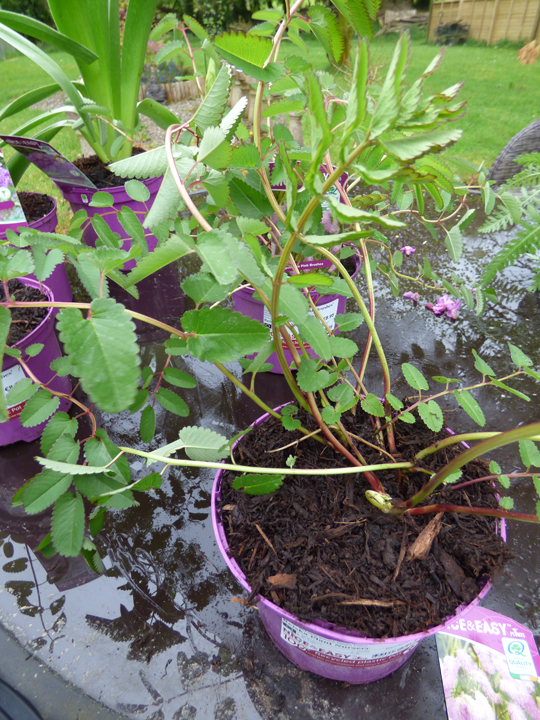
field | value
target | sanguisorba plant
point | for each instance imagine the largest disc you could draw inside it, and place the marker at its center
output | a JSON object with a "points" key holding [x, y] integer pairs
{"points": [[379, 139]]}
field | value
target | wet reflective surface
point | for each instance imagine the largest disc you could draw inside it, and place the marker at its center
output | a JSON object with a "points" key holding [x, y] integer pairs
{"points": [[158, 637]]}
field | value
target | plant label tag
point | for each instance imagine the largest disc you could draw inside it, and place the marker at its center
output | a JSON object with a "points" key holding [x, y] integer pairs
{"points": [[490, 667], [58, 168], [11, 211], [338, 652], [10, 377], [328, 312]]}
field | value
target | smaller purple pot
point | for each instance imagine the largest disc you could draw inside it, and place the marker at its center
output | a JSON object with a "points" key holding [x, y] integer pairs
{"points": [[246, 302], [58, 280], [320, 647], [80, 197], [12, 430]]}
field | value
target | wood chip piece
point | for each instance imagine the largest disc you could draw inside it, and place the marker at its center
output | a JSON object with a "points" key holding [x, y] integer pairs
{"points": [[375, 603], [228, 508], [420, 548], [282, 580]]}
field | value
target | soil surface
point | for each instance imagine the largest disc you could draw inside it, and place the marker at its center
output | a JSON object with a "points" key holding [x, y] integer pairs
{"points": [[98, 173], [23, 320], [35, 205], [319, 549]]}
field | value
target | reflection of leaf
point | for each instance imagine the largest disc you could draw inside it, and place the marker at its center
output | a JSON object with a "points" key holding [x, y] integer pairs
{"points": [[16, 566], [191, 669]]}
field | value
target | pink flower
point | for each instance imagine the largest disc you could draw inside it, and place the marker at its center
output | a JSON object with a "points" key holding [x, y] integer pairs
{"points": [[477, 708], [415, 297], [449, 671], [330, 225], [408, 250], [445, 304]]}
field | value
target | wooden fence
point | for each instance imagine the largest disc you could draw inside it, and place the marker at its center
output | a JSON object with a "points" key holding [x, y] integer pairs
{"points": [[489, 20]]}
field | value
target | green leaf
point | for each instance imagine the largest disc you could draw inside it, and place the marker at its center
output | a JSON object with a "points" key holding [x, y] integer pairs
{"points": [[530, 454], [330, 415], [137, 190], [150, 482], [414, 377], [518, 357], [170, 251], [179, 378], [67, 525], [372, 405], [132, 225], [46, 262], [408, 418], [213, 106], [101, 199], [21, 391], [203, 444], [513, 206], [34, 349], [414, 146], [536, 482], [171, 402], [222, 335], [248, 53], [345, 213], [95, 486], [288, 422], [66, 449], [471, 407], [309, 379], [453, 477], [431, 414], [506, 502], [148, 424], [394, 401], [258, 484], [214, 149], [5, 322], [44, 490], [342, 347], [60, 424], [217, 187], [324, 26], [249, 202], [315, 334], [38, 408], [454, 243], [203, 287], [482, 366], [349, 321], [217, 257], [511, 390], [504, 480], [140, 400], [104, 352]]}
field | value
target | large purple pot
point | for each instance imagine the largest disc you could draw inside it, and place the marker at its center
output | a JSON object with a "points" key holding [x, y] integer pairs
{"points": [[79, 199], [322, 648], [246, 302], [58, 280], [12, 430]]}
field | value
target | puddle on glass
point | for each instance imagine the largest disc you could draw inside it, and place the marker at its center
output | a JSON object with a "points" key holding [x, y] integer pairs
{"points": [[158, 636]]}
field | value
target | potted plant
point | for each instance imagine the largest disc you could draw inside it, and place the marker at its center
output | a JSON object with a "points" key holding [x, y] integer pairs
{"points": [[358, 459]]}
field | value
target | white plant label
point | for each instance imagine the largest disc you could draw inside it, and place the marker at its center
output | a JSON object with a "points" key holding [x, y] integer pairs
{"points": [[342, 653], [328, 312], [9, 378]]}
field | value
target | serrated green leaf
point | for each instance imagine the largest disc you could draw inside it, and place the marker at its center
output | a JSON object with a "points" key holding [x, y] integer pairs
{"points": [[103, 351], [170, 251], [471, 407], [330, 415], [248, 53], [140, 400], [214, 149], [414, 377], [222, 335], [258, 484], [431, 414], [529, 452], [506, 502], [94, 486], [179, 378], [148, 424], [414, 146], [349, 321], [507, 388], [203, 287], [454, 243], [313, 332], [39, 408], [150, 482], [481, 366], [43, 490], [345, 213], [372, 405], [217, 257], [211, 110], [518, 357], [217, 187], [504, 480], [453, 477], [408, 418], [67, 525], [21, 391], [101, 199], [513, 206], [311, 380], [172, 402], [100, 450], [203, 444], [342, 347], [341, 394], [536, 482], [96, 520], [249, 202]]}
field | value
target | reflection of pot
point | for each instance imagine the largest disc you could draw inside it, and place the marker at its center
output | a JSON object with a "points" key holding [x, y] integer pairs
{"points": [[322, 647], [80, 197], [12, 372], [246, 302]]}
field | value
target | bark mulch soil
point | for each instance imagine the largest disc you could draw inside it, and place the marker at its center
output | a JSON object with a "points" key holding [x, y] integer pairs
{"points": [[35, 205], [99, 173], [318, 549], [23, 319]]}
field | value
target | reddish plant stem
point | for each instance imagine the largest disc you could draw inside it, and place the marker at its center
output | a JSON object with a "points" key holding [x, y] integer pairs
{"points": [[467, 510]]}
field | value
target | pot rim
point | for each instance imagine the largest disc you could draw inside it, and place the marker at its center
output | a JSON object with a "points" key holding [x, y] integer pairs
{"points": [[328, 630]]}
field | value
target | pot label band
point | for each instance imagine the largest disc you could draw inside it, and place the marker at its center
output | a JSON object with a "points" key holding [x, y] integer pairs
{"points": [[9, 378], [328, 312], [337, 652]]}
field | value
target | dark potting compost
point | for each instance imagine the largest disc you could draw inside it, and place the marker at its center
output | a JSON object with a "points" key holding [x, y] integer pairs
{"points": [[23, 319], [320, 550], [35, 205], [98, 173]]}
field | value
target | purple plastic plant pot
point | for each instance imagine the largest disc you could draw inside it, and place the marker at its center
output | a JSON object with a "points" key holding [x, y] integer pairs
{"points": [[12, 430], [246, 302], [58, 280], [323, 648], [80, 197]]}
